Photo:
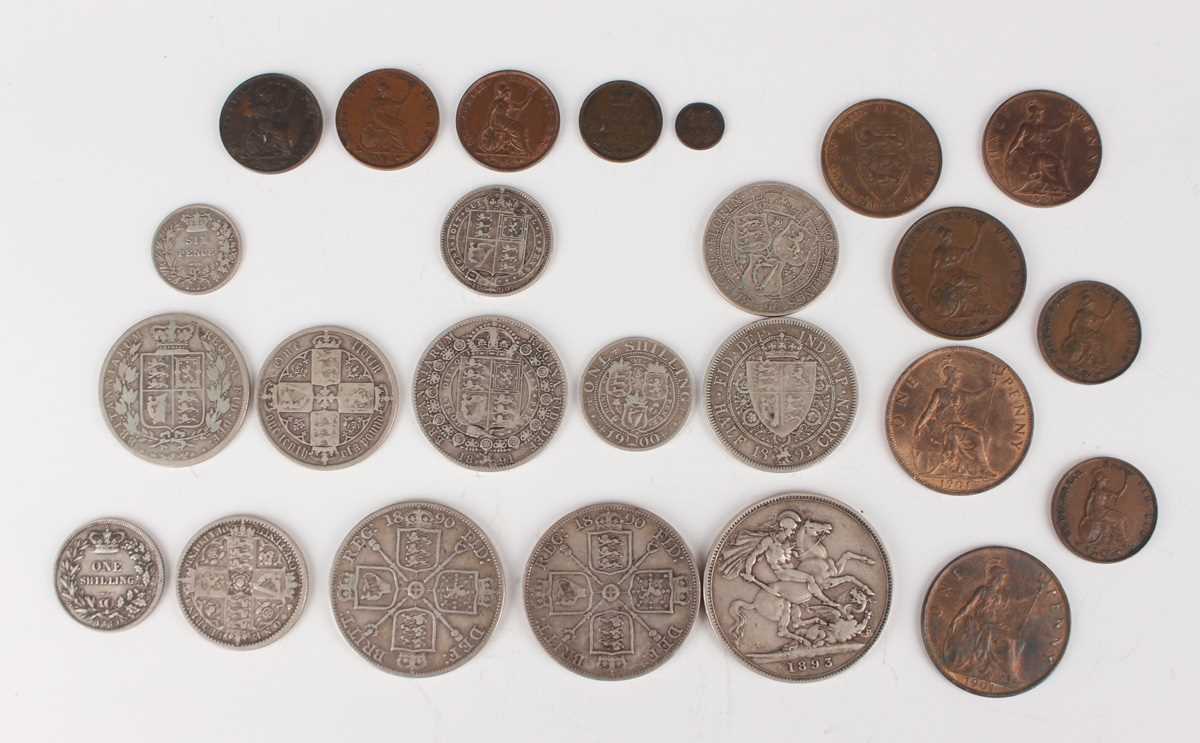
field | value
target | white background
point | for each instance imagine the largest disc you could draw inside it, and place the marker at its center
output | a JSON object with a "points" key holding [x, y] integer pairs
{"points": [[108, 117]]}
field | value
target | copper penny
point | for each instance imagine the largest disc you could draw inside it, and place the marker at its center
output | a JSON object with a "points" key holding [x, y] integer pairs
{"points": [[1104, 509], [387, 119], [881, 158], [1041, 148], [507, 120], [620, 121], [700, 125], [996, 621], [959, 420], [271, 123], [1089, 332], [959, 272]]}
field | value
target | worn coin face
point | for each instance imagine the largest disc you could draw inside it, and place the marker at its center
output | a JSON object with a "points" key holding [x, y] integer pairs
{"points": [[959, 272], [620, 121], [327, 397], [271, 123], [996, 621], [637, 393], [1089, 332], [611, 591], [109, 575], [1104, 509], [959, 420], [496, 240], [881, 158], [416, 588], [196, 249], [770, 248], [174, 389], [387, 119], [242, 582], [507, 120], [700, 125], [1041, 148]]}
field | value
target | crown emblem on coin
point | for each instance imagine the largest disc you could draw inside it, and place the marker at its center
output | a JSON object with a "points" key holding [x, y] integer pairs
{"points": [[242, 530], [173, 335], [326, 340], [195, 222], [489, 344], [781, 348], [106, 542]]}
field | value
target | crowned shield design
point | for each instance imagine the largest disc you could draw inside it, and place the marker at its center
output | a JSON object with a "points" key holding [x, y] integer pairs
{"points": [[492, 395], [781, 392], [496, 242], [172, 381]]}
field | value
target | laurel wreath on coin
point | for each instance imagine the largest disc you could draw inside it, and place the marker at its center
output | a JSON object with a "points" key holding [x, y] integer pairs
{"points": [[104, 611], [201, 277]]}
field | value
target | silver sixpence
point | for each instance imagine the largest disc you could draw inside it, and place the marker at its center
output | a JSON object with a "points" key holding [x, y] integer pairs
{"points": [[174, 389], [611, 591], [798, 586], [196, 249], [496, 240], [781, 394], [416, 588], [770, 248], [327, 397], [489, 392], [637, 393], [109, 575]]}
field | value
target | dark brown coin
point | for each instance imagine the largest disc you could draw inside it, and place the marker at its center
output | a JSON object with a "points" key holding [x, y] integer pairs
{"points": [[1089, 332], [881, 158], [1104, 510], [387, 119], [959, 272], [507, 120], [996, 621], [700, 125], [620, 121], [271, 123], [1041, 148]]}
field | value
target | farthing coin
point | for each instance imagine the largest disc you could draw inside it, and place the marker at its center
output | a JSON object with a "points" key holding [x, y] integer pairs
{"points": [[271, 123], [700, 125], [637, 393], [611, 591], [620, 121], [996, 621], [387, 119], [959, 420], [798, 586], [196, 249], [489, 392], [770, 248], [496, 240], [1104, 510], [416, 588], [327, 397], [780, 394], [959, 273], [507, 120], [109, 575], [174, 389], [1089, 332], [242, 582]]}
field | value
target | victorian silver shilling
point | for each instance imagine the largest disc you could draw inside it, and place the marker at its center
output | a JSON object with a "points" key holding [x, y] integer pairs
{"points": [[770, 248], [798, 586], [637, 393], [496, 240], [196, 249], [416, 588], [174, 389], [611, 591], [780, 394], [242, 582], [109, 575]]}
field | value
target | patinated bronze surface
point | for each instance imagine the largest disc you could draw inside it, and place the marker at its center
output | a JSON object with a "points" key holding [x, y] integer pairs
{"points": [[271, 123], [387, 119], [700, 125], [507, 120], [620, 121], [1089, 332], [1104, 509]]}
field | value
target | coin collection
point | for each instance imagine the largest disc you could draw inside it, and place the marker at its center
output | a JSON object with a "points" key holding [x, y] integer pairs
{"points": [[797, 586]]}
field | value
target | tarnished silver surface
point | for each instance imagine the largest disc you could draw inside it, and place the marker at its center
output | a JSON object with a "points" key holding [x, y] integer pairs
{"points": [[109, 574], [637, 393], [196, 249], [496, 240]]}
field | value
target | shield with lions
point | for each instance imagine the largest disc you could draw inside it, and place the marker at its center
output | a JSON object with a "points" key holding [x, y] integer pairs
{"points": [[781, 392]]}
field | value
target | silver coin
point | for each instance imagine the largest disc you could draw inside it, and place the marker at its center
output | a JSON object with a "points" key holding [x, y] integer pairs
{"points": [[327, 397], [798, 586], [611, 591], [770, 248], [197, 249], [780, 394], [174, 389], [489, 392], [637, 393], [109, 575], [496, 240], [416, 588]]}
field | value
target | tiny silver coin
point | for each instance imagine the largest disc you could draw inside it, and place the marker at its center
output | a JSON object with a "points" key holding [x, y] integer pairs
{"points": [[637, 393], [496, 240], [109, 575], [197, 249]]}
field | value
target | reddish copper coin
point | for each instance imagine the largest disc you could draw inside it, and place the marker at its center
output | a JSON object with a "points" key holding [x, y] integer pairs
{"points": [[1089, 332], [700, 125], [507, 120], [387, 119], [1104, 510], [620, 121], [271, 123]]}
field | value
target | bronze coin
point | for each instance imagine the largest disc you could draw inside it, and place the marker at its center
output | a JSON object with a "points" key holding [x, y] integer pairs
{"points": [[700, 125], [959, 420], [996, 621], [387, 119], [1041, 148], [620, 121], [507, 120], [1089, 332], [881, 158], [1104, 509], [271, 123], [959, 272]]}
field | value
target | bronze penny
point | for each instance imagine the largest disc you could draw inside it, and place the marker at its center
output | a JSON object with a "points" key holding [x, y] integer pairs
{"points": [[1041, 148], [1089, 332], [959, 420], [620, 121], [271, 123], [996, 621], [881, 158], [1104, 509], [700, 125], [507, 120], [387, 119], [959, 272]]}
